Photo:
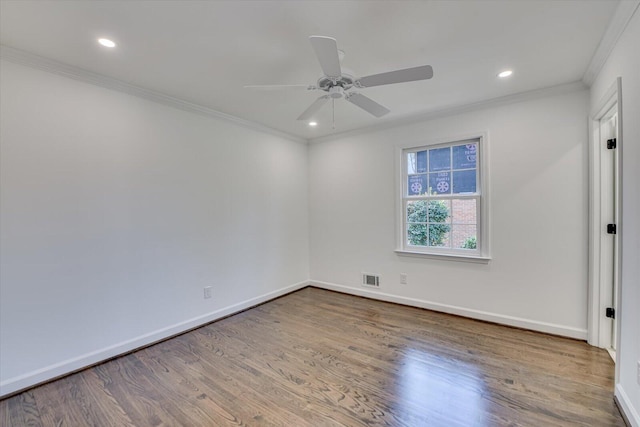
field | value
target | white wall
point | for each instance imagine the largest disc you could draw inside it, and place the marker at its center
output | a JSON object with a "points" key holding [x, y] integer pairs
{"points": [[624, 62], [116, 212], [538, 170]]}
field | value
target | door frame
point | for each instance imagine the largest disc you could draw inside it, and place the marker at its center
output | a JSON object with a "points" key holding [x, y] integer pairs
{"points": [[596, 324]]}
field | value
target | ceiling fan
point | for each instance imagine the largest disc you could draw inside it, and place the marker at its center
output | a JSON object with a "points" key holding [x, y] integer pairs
{"points": [[339, 84]]}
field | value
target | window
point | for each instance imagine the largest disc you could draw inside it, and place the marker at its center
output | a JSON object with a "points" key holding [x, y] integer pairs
{"points": [[442, 200]]}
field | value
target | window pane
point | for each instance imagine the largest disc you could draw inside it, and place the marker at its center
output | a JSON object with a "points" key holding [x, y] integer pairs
{"points": [[411, 162], [464, 181], [416, 185], [421, 161], [464, 236], [417, 162], [464, 156], [440, 183], [417, 211], [439, 159], [417, 234], [440, 235], [463, 211], [439, 211]]}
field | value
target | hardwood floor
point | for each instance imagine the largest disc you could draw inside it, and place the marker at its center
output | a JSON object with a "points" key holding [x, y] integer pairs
{"points": [[319, 358]]}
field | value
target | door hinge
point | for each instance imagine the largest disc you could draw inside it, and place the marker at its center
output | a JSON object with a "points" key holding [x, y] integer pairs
{"points": [[610, 312], [611, 143], [611, 229]]}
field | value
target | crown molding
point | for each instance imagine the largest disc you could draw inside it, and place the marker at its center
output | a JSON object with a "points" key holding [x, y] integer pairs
{"points": [[431, 115], [52, 66], [617, 25]]}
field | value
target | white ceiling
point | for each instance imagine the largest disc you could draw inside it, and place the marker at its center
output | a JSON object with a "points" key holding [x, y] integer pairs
{"points": [[204, 52]]}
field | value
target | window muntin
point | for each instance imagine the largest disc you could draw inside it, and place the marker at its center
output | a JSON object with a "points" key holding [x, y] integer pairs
{"points": [[442, 198]]}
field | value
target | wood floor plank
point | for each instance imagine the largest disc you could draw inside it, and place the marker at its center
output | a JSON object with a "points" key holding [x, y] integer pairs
{"points": [[272, 366], [186, 362], [111, 413], [62, 403], [319, 358], [22, 410], [140, 401]]}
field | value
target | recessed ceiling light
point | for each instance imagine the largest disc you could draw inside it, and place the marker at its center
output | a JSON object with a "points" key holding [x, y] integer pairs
{"points": [[505, 73], [313, 123], [106, 43]]}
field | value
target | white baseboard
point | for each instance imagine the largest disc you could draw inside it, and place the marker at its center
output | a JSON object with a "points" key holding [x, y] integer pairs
{"points": [[534, 325], [628, 411], [48, 373]]}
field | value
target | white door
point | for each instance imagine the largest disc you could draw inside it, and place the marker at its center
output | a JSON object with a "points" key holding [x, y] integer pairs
{"points": [[609, 283]]}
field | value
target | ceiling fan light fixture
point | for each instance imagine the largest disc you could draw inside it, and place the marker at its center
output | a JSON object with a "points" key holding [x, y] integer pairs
{"points": [[313, 124], [505, 73], [107, 42], [336, 92]]}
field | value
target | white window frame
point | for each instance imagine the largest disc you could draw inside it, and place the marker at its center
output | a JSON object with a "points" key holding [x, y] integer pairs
{"points": [[482, 252]]}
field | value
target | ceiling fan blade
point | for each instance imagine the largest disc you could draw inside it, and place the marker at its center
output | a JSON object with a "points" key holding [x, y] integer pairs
{"points": [[313, 108], [326, 50], [367, 104], [423, 72], [278, 87]]}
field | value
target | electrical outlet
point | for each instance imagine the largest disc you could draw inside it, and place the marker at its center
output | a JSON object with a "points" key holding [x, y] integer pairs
{"points": [[403, 278], [207, 292]]}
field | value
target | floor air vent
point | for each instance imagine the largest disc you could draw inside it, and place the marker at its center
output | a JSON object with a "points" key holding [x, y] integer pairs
{"points": [[370, 280]]}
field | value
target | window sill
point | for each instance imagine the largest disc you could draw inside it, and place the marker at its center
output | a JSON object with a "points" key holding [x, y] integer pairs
{"points": [[446, 257]]}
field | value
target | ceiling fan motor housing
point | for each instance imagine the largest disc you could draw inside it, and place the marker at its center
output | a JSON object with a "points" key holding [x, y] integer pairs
{"points": [[344, 82]]}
